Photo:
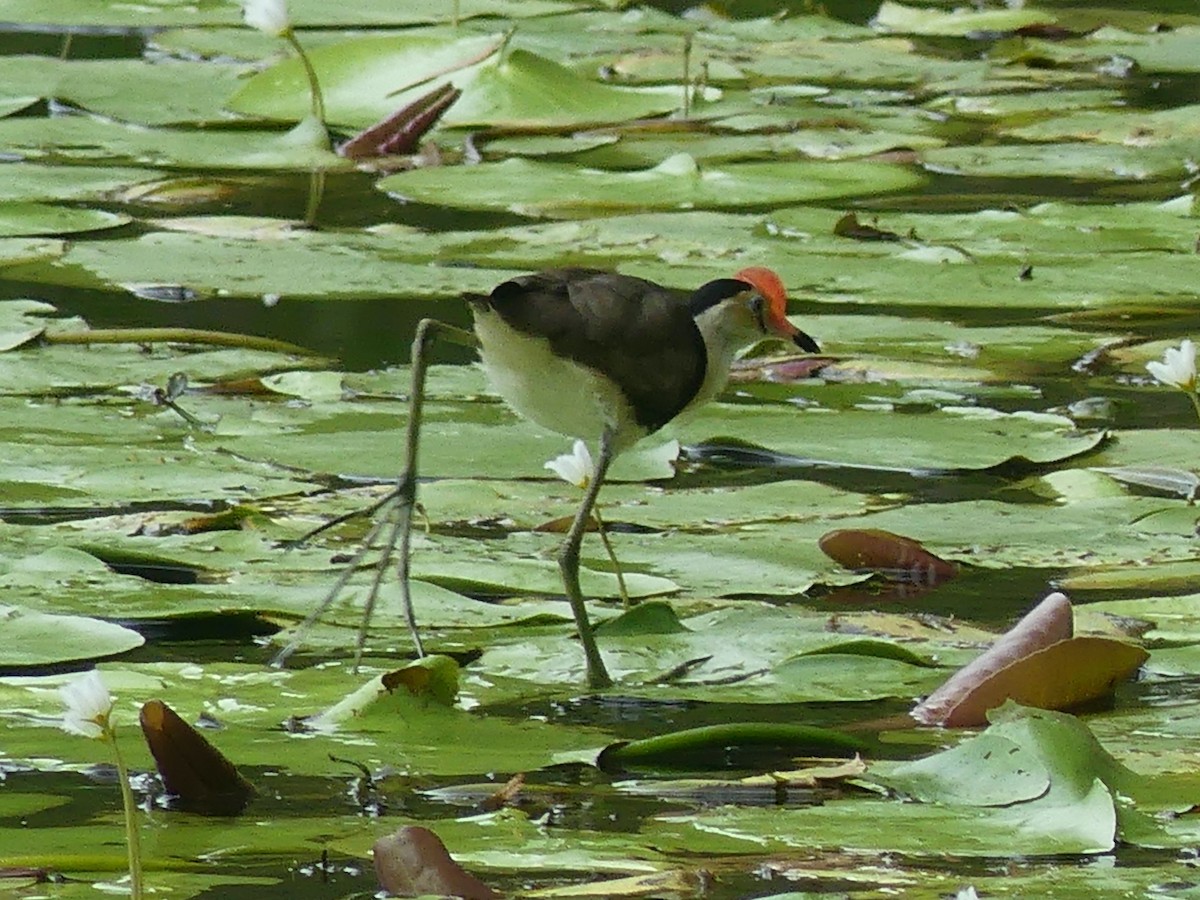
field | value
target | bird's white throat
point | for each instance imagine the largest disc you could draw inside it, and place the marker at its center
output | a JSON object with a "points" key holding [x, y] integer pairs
{"points": [[726, 329]]}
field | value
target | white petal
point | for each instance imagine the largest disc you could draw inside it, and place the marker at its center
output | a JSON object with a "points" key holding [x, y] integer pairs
{"points": [[268, 16], [1178, 366], [84, 727], [575, 467], [88, 705], [1161, 372]]}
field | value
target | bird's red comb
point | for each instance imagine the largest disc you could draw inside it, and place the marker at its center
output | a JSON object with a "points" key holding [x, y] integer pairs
{"points": [[770, 286]]}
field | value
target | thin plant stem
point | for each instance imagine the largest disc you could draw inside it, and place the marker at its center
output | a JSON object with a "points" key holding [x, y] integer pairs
{"points": [[316, 191], [687, 76], [175, 336], [1194, 396], [603, 529], [314, 86], [133, 842]]}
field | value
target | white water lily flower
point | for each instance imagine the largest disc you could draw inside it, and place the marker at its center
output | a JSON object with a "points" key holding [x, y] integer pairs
{"points": [[89, 705], [268, 16], [1178, 368], [575, 467]]}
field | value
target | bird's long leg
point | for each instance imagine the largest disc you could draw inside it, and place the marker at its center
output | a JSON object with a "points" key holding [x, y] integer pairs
{"points": [[395, 510], [568, 564]]}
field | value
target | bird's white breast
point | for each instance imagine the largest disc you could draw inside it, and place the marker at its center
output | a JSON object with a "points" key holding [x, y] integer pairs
{"points": [[556, 393]]}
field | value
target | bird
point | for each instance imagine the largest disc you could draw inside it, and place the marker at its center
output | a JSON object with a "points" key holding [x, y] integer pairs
{"points": [[611, 358], [590, 354]]}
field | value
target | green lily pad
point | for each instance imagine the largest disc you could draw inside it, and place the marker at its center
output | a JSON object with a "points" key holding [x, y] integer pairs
{"points": [[127, 89], [370, 78], [1124, 127], [1096, 162], [30, 181], [1153, 49], [88, 139], [306, 13], [44, 639], [902, 18], [552, 189], [28, 219]]}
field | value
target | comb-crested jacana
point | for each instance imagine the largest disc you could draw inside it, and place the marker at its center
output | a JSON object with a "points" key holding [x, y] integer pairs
{"points": [[599, 355], [592, 355]]}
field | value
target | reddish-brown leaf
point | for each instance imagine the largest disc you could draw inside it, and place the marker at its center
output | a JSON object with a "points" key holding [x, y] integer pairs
{"points": [[1065, 675], [402, 131], [414, 861], [201, 777], [1037, 663], [891, 555]]}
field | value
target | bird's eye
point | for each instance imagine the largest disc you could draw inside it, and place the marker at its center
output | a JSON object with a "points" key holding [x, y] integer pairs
{"points": [[757, 305]]}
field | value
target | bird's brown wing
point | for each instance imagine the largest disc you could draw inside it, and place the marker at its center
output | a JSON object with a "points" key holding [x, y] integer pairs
{"points": [[639, 334]]}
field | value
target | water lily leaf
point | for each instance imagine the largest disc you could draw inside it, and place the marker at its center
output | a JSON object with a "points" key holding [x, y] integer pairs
{"points": [[362, 79], [873, 648], [27, 219], [1124, 127], [1048, 623], [891, 554], [963, 22], [645, 618], [127, 89], [1078, 808], [291, 265], [1160, 478], [1174, 619], [24, 251], [1078, 813], [433, 678], [1153, 49], [20, 322], [833, 676], [522, 89], [881, 61], [987, 770], [554, 189], [1029, 666], [45, 639], [1016, 108], [949, 438], [370, 78], [41, 181], [840, 140], [85, 139], [1099, 162], [306, 13]]}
